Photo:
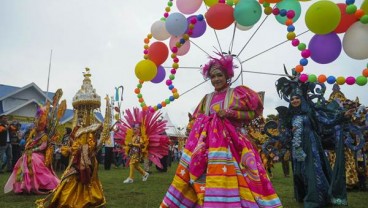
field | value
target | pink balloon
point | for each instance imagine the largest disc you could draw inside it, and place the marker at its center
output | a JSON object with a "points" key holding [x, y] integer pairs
{"points": [[188, 7], [303, 77], [183, 49], [350, 80], [160, 76]]}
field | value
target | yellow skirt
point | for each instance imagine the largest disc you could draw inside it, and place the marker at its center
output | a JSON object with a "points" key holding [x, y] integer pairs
{"points": [[71, 193]]}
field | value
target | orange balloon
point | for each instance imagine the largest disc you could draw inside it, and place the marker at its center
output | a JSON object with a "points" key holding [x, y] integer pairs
{"points": [[220, 16], [299, 68], [365, 72], [359, 13], [346, 19], [322, 78], [158, 52]]}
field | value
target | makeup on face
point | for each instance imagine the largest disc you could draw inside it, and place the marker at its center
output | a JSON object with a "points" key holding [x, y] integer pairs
{"points": [[295, 101], [218, 79]]}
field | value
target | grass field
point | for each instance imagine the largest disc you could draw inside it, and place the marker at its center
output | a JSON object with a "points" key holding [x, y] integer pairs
{"points": [[150, 193]]}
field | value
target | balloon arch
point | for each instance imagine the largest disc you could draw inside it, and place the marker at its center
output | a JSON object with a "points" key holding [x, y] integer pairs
{"points": [[324, 18]]}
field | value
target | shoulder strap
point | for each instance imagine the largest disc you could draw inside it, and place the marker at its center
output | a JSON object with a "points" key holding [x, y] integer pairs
{"points": [[208, 103], [229, 93]]}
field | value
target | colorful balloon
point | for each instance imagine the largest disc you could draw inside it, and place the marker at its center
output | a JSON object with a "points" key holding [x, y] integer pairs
{"points": [[350, 80], [325, 48], [243, 28], [199, 27], [322, 17], [331, 79], [158, 52], [188, 7], [312, 78], [176, 24], [158, 30], [145, 70], [361, 80], [322, 78], [289, 5], [183, 49], [160, 76], [364, 6], [355, 41], [346, 19], [247, 13], [210, 3], [340, 80], [220, 16]]}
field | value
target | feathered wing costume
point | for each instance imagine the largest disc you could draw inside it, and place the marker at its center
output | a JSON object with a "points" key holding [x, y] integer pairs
{"points": [[33, 171], [315, 183], [156, 143]]}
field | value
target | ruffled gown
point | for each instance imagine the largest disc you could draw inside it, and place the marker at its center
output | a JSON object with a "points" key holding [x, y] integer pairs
{"points": [[220, 166], [30, 174]]}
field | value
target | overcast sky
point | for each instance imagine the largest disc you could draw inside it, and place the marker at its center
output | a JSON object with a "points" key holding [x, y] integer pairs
{"points": [[107, 36]]}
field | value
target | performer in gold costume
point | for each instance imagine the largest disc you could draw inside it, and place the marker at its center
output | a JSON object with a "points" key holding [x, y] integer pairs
{"points": [[80, 186], [135, 145]]}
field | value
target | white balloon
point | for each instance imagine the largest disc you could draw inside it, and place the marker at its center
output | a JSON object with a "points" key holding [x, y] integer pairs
{"points": [[243, 28], [355, 42], [158, 30]]}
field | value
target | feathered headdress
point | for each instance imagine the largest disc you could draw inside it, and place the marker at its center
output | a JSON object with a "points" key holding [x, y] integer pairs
{"points": [[293, 86], [224, 63]]}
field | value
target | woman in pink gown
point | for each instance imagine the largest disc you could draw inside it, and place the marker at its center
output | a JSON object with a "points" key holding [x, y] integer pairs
{"points": [[220, 166], [33, 173]]}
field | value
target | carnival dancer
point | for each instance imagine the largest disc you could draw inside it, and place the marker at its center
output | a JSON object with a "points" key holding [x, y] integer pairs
{"points": [[143, 140], [220, 166], [33, 171], [315, 184], [80, 186]]}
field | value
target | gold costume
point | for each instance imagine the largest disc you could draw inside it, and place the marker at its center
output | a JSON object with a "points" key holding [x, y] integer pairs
{"points": [[80, 186]]}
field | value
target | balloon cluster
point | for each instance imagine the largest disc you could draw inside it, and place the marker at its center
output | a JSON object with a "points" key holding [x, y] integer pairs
{"points": [[179, 29], [324, 18]]}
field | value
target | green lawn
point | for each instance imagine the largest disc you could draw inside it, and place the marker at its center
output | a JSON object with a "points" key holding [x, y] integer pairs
{"points": [[150, 193]]}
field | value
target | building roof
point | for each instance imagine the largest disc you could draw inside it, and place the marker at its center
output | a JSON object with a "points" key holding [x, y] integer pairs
{"points": [[8, 90]]}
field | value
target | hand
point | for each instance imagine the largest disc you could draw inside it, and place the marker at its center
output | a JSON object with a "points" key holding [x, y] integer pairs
{"points": [[221, 113]]}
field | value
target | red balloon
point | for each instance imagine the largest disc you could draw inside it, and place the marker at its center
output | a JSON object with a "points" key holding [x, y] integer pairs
{"points": [[158, 52], [346, 19], [220, 16]]}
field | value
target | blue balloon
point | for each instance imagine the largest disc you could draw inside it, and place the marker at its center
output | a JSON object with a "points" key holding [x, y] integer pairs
{"points": [[331, 79], [176, 24]]}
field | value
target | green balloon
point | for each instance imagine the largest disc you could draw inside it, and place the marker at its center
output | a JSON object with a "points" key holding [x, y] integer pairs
{"points": [[312, 78], [323, 17], [289, 5], [361, 80], [248, 12], [302, 46]]}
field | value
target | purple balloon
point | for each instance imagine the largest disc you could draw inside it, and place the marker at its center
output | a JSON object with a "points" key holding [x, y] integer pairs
{"points": [[199, 27], [160, 76], [325, 48]]}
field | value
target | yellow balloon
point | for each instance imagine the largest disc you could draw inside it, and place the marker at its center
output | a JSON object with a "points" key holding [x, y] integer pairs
{"points": [[210, 2], [146, 70], [236, 1], [340, 80], [365, 6], [323, 17]]}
